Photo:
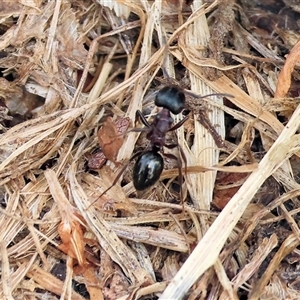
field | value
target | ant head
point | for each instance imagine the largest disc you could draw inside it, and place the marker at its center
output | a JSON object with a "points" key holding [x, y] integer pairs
{"points": [[171, 98]]}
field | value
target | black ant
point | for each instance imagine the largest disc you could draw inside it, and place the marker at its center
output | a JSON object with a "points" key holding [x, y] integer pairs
{"points": [[150, 163]]}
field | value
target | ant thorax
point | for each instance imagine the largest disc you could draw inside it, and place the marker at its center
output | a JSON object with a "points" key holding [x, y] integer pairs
{"points": [[160, 126]]}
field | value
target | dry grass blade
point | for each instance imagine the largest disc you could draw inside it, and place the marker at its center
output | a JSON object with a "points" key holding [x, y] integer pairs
{"points": [[6, 285]]}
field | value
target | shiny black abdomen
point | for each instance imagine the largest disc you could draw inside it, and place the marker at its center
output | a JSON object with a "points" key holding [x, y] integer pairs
{"points": [[147, 170]]}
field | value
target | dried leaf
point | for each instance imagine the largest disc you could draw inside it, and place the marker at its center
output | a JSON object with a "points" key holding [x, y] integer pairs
{"points": [[110, 137], [284, 78], [71, 235], [96, 160], [227, 184], [70, 228]]}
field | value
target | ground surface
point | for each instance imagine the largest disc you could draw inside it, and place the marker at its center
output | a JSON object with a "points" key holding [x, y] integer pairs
{"points": [[74, 74]]}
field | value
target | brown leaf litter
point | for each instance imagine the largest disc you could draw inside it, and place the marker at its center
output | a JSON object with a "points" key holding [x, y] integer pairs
{"points": [[73, 75]]}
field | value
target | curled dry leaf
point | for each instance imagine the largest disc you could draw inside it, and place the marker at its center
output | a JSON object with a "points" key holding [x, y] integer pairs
{"points": [[70, 229], [110, 136], [71, 235], [284, 78]]}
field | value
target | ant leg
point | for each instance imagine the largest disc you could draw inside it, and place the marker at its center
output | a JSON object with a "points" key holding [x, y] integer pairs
{"points": [[181, 154], [183, 158], [144, 129], [176, 126], [180, 177], [139, 115], [117, 177]]}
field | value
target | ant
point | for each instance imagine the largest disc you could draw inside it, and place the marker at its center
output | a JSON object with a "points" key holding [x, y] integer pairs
{"points": [[150, 163]]}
